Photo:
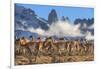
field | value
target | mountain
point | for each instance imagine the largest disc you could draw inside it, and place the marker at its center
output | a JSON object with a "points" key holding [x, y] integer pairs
{"points": [[65, 19], [26, 18], [88, 22], [26, 34], [52, 17], [28, 23], [85, 25]]}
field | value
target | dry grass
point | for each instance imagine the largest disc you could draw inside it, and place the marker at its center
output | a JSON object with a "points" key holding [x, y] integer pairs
{"points": [[21, 60], [24, 56]]}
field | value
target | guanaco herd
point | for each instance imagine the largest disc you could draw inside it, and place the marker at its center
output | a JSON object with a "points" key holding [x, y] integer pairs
{"points": [[49, 46]]}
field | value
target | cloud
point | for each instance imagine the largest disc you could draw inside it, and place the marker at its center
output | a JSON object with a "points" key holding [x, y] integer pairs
{"points": [[63, 28], [38, 30], [91, 27], [89, 36], [60, 29]]}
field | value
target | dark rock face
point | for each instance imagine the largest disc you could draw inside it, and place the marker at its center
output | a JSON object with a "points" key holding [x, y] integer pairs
{"points": [[84, 24], [88, 22], [65, 19], [52, 17], [25, 18]]}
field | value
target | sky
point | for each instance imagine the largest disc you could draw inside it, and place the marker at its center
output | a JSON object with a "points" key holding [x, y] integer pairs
{"points": [[68, 11]]}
